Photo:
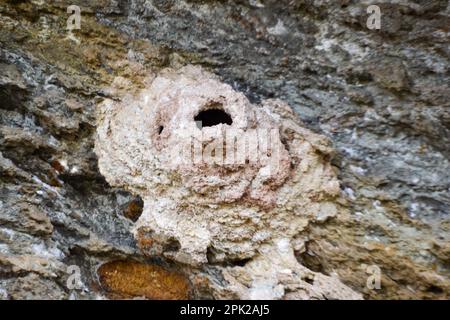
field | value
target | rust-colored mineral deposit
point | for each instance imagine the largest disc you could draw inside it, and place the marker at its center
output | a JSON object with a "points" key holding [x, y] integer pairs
{"points": [[130, 279]]}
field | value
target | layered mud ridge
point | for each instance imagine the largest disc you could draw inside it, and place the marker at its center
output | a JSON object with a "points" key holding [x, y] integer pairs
{"points": [[242, 191], [349, 182]]}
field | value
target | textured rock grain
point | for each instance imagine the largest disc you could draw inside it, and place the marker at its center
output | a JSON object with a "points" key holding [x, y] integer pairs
{"points": [[251, 204]]}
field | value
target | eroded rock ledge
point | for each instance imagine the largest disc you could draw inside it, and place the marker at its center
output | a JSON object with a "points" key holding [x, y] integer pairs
{"points": [[241, 186]]}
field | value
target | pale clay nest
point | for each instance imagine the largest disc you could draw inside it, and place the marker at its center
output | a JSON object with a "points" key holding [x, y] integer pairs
{"points": [[222, 211]]}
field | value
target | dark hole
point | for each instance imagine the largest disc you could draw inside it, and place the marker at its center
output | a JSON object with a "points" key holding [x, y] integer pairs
{"points": [[240, 262], [160, 129], [172, 245], [212, 117], [435, 289], [133, 209], [210, 255], [308, 280]]}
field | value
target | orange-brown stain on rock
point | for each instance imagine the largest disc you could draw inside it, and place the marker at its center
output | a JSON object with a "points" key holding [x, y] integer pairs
{"points": [[134, 209], [130, 279]]}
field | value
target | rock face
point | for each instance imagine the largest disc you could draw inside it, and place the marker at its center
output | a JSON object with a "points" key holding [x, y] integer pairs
{"points": [[380, 96], [223, 189]]}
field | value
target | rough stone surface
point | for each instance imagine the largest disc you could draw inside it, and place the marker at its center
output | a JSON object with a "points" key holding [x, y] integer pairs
{"points": [[235, 205], [381, 97]]}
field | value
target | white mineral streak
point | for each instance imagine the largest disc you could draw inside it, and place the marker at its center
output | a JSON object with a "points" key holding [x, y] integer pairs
{"points": [[221, 210]]}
